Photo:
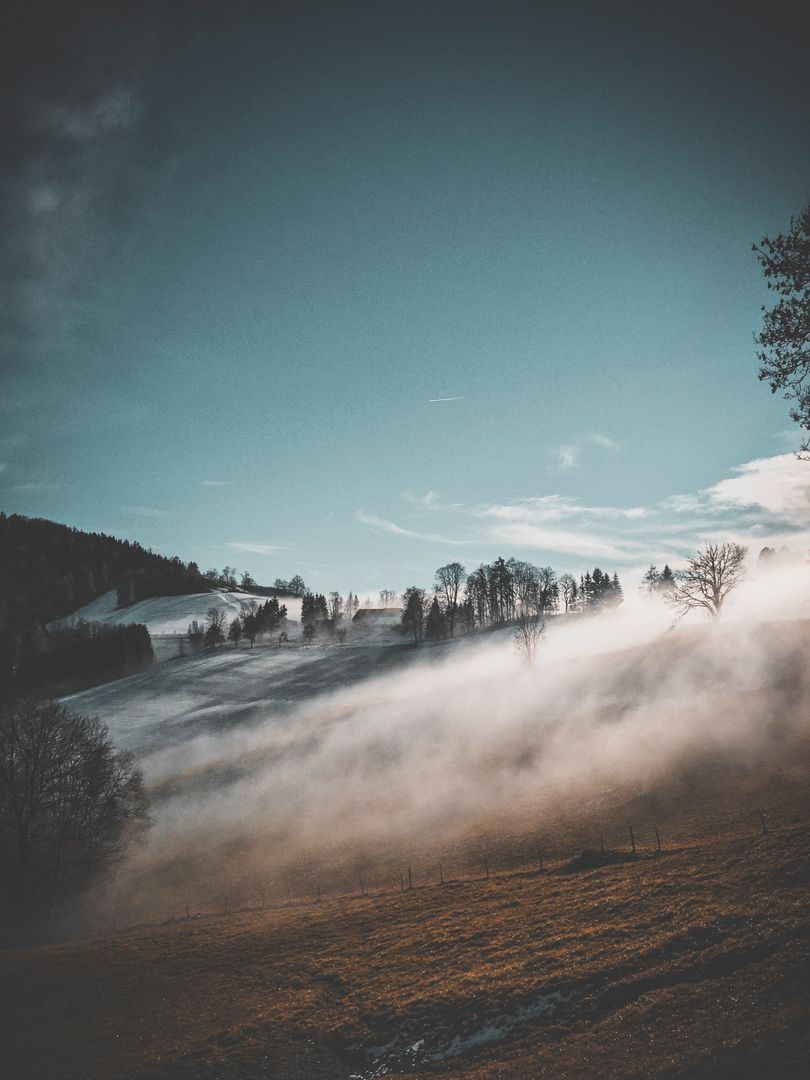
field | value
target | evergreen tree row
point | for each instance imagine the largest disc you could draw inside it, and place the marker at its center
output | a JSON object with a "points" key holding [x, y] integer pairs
{"points": [[314, 609], [49, 570], [45, 661]]}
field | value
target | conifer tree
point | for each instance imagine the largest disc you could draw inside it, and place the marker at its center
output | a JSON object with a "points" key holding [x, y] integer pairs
{"points": [[414, 601], [435, 626], [667, 582]]}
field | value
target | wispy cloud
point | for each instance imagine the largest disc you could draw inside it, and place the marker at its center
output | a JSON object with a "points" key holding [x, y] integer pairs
{"points": [[428, 501], [766, 501], [253, 547], [215, 483], [566, 455], [85, 148], [547, 508], [440, 400], [525, 535], [397, 530], [604, 441], [683, 504], [117, 109]]}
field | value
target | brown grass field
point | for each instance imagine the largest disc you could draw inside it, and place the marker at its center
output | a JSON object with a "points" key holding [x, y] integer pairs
{"points": [[694, 962]]}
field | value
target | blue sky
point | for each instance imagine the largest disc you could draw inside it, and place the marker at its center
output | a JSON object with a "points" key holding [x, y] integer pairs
{"points": [[356, 291]]}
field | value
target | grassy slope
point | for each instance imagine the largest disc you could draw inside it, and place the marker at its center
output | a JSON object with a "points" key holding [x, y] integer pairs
{"points": [[692, 963]]}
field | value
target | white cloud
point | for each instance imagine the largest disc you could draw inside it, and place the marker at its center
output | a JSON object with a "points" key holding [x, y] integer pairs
{"points": [[547, 508], [566, 456], [397, 530], [683, 504], [779, 486], [428, 501], [251, 547], [526, 535], [569, 453], [439, 400], [766, 501], [604, 441], [215, 483]]}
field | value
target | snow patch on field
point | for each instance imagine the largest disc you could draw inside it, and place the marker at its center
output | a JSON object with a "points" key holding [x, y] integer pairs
{"points": [[442, 1044], [172, 614]]}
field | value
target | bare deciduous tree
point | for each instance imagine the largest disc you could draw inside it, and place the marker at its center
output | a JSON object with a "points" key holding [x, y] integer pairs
{"points": [[546, 590], [66, 798], [335, 607], [567, 588], [214, 627], [524, 575], [711, 575], [250, 620], [528, 636], [449, 580]]}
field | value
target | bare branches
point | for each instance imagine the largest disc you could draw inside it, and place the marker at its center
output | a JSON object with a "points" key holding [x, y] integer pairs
{"points": [[449, 580], [66, 799], [528, 636], [708, 579]]}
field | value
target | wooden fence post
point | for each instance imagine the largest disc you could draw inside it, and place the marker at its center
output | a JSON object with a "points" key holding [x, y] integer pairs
{"points": [[441, 874], [632, 840], [762, 819], [410, 879], [486, 869], [657, 838]]}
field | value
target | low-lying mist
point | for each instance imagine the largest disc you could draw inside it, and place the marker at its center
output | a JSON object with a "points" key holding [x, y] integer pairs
{"points": [[470, 739]]}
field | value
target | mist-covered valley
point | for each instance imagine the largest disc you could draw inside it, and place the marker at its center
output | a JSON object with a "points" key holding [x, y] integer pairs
{"points": [[269, 769]]}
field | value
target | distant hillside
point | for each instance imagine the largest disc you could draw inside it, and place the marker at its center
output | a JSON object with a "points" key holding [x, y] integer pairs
{"points": [[48, 570], [172, 614]]}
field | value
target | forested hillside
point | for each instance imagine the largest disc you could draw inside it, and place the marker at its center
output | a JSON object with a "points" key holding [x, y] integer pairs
{"points": [[48, 570]]}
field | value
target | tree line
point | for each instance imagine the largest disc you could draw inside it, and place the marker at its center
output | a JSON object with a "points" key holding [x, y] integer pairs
{"points": [[320, 614], [498, 593], [255, 620], [65, 658]]}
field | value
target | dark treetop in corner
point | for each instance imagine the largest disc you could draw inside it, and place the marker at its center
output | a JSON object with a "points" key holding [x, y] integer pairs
{"points": [[785, 336]]}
